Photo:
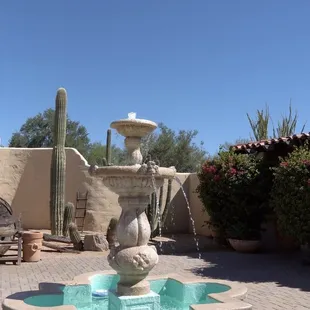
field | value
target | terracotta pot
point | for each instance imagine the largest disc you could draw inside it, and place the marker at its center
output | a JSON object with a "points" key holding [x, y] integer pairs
{"points": [[245, 246], [32, 244]]}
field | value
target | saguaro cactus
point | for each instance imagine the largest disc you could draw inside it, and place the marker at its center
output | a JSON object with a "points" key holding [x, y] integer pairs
{"points": [[58, 165], [154, 209], [108, 153], [108, 147]]}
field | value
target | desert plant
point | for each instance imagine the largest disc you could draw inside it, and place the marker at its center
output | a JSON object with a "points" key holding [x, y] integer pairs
{"points": [[75, 237], [58, 164], [231, 192], [290, 194], [157, 212], [108, 151], [260, 125], [68, 218]]}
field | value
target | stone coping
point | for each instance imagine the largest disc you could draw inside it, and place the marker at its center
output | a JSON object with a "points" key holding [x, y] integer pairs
{"points": [[231, 299]]}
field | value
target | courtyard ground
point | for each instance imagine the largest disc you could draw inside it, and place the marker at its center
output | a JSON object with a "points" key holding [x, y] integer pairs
{"points": [[274, 281]]}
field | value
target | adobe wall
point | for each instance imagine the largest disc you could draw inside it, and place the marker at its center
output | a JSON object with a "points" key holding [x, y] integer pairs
{"points": [[25, 184]]}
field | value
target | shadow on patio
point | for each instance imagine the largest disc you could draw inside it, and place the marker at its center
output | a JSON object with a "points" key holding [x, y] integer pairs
{"points": [[285, 270]]}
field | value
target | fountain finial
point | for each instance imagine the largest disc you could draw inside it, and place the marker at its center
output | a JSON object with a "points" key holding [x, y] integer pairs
{"points": [[132, 115]]}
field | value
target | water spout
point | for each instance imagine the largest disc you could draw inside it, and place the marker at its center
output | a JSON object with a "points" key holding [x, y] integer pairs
{"points": [[157, 212], [190, 216], [132, 115]]}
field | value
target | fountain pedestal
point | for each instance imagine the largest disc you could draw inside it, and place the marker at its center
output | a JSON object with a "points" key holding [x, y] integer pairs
{"points": [[133, 258]]}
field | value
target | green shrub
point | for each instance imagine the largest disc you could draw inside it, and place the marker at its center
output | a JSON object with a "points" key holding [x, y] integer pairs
{"points": [[231, 190], [290, 195]]}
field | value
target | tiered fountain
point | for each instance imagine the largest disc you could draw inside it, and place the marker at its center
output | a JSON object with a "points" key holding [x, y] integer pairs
{"points": [[133, 259]]}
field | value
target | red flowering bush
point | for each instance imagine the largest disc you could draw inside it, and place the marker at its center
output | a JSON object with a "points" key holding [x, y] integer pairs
{"points": [[290, 194], [230, 190]]}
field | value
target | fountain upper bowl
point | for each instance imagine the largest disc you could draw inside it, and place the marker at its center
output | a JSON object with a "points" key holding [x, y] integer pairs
{"points": [[134, 127]]}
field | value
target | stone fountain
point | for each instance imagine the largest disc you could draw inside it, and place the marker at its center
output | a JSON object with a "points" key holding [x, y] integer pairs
{"points": [[133, 259]]}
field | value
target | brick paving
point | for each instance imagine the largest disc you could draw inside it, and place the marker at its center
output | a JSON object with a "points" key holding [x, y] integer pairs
{"points": [[274, 281]]}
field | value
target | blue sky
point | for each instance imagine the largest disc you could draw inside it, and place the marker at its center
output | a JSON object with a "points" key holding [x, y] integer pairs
{"points": [[189, 64]]}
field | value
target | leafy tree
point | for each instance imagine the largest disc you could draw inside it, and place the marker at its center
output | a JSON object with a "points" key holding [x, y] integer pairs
{"points": [[37, 132], [97, 152], [174, 149], [290, 194]]}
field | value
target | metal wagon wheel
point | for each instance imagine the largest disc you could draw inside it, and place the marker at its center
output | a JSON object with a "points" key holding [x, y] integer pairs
{"points": [[5, 213]]}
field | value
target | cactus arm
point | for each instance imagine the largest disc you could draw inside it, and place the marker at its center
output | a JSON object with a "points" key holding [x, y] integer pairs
{"points": [[68, 218], [168, 202], [108, 148], [75, 237]]}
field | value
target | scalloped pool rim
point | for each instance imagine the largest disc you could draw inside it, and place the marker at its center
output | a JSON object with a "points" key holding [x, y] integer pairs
{"points": [[230, 300]]}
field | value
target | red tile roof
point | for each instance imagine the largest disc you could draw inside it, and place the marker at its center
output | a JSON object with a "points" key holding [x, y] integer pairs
{"points": [[264, 144]]}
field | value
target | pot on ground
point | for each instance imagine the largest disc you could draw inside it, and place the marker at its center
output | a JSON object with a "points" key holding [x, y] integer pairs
{"points": [[245, 246]]}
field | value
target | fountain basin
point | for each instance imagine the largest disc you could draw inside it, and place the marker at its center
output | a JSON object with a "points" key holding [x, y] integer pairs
{"points": [[92, 291], [132, 181], [133, 127]]}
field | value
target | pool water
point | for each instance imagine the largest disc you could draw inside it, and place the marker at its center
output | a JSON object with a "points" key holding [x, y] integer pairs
{"points": [[173, 294], [45, 300]]}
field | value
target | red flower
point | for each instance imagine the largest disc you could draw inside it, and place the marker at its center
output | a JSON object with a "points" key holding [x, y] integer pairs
{"points": [[210, 169], [216, 178], [306, 162], [284, 164], [233, 171]]}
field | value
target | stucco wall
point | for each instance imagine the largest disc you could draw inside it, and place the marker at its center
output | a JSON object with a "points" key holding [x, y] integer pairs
{"points": [[24, 183], [25, 179]]}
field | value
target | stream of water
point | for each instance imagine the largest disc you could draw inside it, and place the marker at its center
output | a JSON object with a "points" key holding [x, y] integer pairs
{"points": [[190, 215], [158, 214]]}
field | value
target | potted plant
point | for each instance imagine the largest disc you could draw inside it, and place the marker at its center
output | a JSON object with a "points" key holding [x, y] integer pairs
{"points": [[232, 192], [243, 238], [290, 195]]}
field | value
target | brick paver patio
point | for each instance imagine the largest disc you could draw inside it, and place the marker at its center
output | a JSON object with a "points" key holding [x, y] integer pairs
{"points": [[274, 281]]}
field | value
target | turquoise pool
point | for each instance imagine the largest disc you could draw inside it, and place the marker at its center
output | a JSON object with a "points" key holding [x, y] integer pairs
{"points": [[173, 294]]}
